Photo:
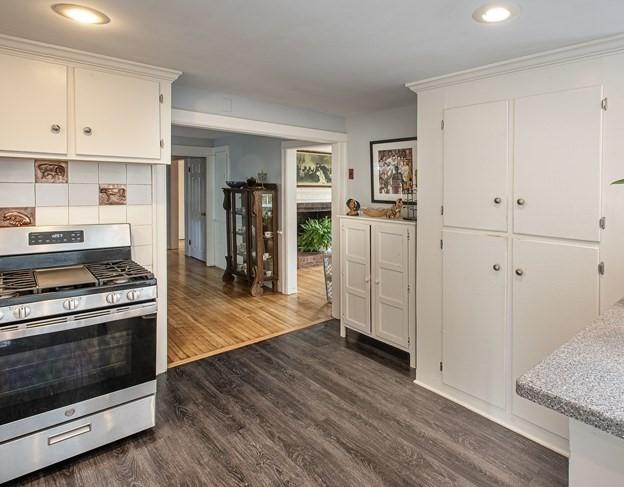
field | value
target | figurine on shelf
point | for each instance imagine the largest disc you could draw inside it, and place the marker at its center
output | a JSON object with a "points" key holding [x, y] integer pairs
{"points": [[354, 207], [395, 212]]}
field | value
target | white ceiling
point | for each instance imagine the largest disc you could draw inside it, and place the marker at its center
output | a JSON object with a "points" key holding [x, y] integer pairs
{"points": [[336, 56]]}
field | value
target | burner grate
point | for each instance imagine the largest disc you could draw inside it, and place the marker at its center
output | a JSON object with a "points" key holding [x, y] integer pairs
{"points": [[17, 283], [118, 272]]}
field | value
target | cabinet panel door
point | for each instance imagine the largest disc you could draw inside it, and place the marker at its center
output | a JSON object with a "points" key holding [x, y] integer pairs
{"points": [[122, 112], [474, 314], [476, 153], [33, 97], [355, 263], [555, 297], [390, 261], [558, 146]]}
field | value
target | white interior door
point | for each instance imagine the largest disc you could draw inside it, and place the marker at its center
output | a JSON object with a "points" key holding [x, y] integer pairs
{"points": [[196, 208], [33, 97], [390, 262], [221, 175], [558, 147], [474, 278], [476, 154], [355, 265], [122, 113], [555, 297]]}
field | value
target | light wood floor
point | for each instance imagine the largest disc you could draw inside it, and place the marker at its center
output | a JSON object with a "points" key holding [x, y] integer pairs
{"points": [[207, 316]]}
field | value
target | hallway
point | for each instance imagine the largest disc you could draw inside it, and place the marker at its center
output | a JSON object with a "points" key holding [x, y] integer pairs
{"points": [[207, 317]]}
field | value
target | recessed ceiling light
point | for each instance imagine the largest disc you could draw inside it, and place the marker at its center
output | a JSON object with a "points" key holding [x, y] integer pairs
{"points": [[493, 13], [78, 13]]}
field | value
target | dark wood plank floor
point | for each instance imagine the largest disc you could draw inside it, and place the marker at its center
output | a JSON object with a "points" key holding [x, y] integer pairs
{"points": [[309, 409]]}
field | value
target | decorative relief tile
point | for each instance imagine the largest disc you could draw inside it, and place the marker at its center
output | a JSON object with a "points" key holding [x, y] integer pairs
{"points": [[50, 171], [17, 217], [113, 194]]}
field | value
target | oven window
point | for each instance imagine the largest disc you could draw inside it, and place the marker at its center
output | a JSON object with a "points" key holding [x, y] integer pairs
{"points": [[48, 371]]}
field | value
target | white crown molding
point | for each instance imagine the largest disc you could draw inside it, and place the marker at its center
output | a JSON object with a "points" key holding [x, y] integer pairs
{"points": [[569, 54], [67, 55]]}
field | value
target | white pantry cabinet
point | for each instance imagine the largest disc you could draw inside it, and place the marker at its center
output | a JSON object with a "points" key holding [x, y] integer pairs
{"points": [[476, 153], [33, 105], [81, 106], [378, 271], [116, 115]]}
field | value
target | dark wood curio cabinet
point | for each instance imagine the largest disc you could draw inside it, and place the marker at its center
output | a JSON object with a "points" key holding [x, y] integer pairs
{"points": [[251, 217]]}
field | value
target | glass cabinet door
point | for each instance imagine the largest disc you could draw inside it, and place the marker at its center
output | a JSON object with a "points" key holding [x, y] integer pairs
{"points": [[239, 224]]}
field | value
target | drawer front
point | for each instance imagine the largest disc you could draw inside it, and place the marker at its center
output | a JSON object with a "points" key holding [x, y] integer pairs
{"points": [[32, 452]]}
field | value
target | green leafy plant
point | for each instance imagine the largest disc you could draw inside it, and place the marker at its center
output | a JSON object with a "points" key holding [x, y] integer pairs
{"points": [[315, 235], [619, 181]]}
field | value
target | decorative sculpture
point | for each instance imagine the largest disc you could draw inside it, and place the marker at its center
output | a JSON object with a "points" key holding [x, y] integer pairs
{"points": [[354, 207]]}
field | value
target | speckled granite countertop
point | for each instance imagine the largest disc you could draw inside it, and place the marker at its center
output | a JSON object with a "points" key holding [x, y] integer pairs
{"points": [[584, 378]]}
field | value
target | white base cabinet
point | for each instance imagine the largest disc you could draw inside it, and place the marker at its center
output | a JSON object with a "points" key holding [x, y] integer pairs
{"points": [[378, 270]]}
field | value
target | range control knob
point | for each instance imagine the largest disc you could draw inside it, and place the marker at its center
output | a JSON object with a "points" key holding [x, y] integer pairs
{"points": [[21, 312], [133, 295], [113, 298], [71, 304]]}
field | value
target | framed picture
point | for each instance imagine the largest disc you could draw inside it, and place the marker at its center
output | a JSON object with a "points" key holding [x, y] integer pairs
{"points": [[393, 168], [314, 168]]}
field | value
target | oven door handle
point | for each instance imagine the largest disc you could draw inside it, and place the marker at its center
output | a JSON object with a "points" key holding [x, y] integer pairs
{"points": [[80, 430], [89, 318]]}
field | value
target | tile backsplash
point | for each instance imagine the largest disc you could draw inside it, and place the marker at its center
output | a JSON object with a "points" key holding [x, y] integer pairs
{"points": [[76, 193]]}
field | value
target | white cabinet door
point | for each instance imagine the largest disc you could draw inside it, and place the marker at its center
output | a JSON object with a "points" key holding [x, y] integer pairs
{"points": [[558, 145], [33, 101], [474, 314], [476, 153], [355, 264], [117, 115], [555, 297], [391, 268]]}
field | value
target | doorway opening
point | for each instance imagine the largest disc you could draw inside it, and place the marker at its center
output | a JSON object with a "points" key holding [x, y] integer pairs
{"points": [[208, 314]]}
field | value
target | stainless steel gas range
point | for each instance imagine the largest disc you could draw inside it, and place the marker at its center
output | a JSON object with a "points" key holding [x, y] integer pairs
{"points": [[77, 343]]}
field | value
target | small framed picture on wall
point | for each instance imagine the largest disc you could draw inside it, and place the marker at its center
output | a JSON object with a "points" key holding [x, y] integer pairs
{"points": [[393, 168]]}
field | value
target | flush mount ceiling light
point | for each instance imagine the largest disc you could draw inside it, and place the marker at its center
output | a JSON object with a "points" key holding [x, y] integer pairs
{"points": [[78, 13], [495, 13]]}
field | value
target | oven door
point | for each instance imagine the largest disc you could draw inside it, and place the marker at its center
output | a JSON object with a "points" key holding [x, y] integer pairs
{"points": [[61, 368]]}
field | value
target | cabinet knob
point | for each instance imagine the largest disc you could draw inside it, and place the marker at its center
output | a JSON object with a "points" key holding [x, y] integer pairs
{"points": [[377, 281], [519, 272], [498, 200], [55, 128], [87, 130], [520, 201], [496, 267], [367, 279]]}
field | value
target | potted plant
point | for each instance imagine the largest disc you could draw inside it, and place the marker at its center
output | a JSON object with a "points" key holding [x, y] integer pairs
{"points": [[315, 238]]}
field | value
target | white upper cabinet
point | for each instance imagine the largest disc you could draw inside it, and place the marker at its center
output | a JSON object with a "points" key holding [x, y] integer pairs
{"points": [[116, 115], [476, 155], [474, 278], [558, 145], [33, 103], [356, 272], [555, 295], [390, 262]]}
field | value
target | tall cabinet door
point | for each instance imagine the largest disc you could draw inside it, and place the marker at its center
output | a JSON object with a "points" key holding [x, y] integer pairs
{"points": [[558, 146], [33, 97], [474, 287], [476, 154], [356, 273], [555, 295], [391, 269], [117, 115]]}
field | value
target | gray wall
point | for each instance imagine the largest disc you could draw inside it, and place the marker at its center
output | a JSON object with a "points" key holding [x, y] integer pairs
{"points": [[207, 101], [250, 154], [362, 129]]}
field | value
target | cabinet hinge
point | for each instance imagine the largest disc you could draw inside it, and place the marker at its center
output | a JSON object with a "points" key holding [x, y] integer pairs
{"points": [[601, 268], [189, 243], [441, 366], [162, 143], [408, 235], [161, 98], [409, 289], [442, 125], [409, 341], [441, 243], [604, 104], [603, 222], [442, 210]]}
